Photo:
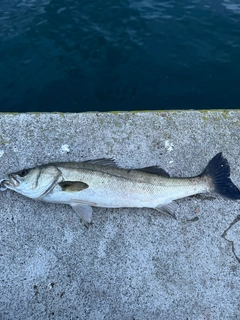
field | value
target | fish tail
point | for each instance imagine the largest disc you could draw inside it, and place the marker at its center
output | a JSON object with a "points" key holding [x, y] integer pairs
{"points": [[218, 171]]}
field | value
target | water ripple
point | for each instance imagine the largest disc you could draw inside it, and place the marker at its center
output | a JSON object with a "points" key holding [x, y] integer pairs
{"points": [[121, 54]]}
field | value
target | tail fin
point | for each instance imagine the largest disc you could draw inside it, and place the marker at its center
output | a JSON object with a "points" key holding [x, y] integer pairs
{"points": [[219, 172]]}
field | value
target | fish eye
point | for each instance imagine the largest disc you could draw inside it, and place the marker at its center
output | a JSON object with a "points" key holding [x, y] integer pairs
{"points": [[23, 173]]}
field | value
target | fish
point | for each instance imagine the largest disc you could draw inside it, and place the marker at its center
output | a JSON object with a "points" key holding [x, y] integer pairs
{"points": [[102, 183]]}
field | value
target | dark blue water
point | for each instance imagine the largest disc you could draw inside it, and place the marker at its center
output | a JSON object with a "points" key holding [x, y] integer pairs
{"points": [[82, 55]]}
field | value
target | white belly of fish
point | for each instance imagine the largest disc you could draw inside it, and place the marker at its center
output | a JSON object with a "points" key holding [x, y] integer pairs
{"points": [[128, 195]]}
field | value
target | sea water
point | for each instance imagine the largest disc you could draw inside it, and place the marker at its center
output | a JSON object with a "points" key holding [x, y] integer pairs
{"points": [[95, 55]]}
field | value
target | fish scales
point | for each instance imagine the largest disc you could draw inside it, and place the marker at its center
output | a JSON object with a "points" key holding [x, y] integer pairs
{"points": [[115, 187]]}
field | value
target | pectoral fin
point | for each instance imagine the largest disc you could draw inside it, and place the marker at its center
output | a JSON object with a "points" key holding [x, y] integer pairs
{"points": [[83, 210], [73, 186], [168, 209]]}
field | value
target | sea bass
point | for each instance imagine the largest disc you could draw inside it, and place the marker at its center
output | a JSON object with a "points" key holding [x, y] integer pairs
{"points": [[101, 183]]}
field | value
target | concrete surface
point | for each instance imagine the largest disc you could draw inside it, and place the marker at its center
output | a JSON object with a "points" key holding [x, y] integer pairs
{"points": [[130, 263]]}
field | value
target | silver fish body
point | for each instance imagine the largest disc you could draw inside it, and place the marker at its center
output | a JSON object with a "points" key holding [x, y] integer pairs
{"points": [[116, 188], [101, 183]]}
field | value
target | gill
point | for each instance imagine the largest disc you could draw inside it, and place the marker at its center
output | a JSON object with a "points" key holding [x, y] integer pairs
{"points": [[51, 185]]}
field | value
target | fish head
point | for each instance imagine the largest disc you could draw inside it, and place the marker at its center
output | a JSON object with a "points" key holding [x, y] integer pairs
{"points": [[34, 182]]}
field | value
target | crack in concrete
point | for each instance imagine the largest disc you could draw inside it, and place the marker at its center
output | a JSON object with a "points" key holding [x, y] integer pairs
{"points": [[232, 242]]}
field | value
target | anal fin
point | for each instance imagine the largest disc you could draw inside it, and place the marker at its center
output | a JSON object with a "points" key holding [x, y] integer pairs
{"points": [[167, 209], [83, 210]]}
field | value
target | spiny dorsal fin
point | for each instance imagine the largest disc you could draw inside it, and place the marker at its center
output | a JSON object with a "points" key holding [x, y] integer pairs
{"points": [[103, 162], [156, 170], [73, 186]]}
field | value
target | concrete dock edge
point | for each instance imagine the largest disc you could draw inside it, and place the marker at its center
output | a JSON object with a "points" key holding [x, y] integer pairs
{"points": [[129, 263]]}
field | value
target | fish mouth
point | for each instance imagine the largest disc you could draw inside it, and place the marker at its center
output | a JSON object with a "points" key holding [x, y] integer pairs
{"points": [[11, 182]]}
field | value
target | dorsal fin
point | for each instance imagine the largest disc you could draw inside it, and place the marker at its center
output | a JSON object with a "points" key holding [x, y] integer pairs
{"points": [[112, 163], [156, 170], [103, 162]]}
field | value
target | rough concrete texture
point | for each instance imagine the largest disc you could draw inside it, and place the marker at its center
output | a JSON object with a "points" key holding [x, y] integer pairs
{"points": [[130, 263]]}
